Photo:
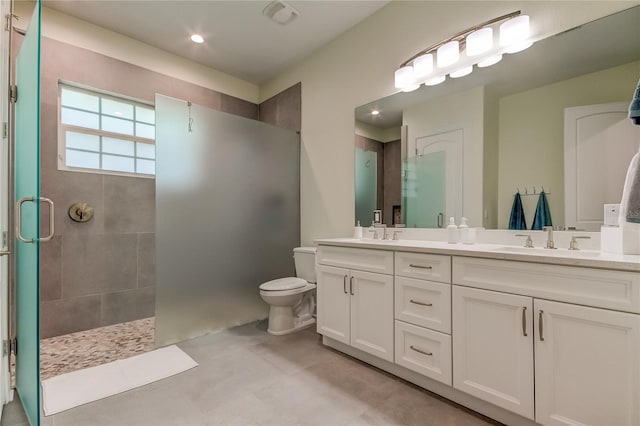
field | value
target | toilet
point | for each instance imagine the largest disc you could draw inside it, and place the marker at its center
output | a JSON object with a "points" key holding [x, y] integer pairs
{"points": [[292, 299]]}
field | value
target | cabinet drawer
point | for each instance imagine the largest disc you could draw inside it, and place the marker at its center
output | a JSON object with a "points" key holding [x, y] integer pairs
{"points": [[423, 303], [424, 351], [380, 261], [619, 290], [423, 266]]}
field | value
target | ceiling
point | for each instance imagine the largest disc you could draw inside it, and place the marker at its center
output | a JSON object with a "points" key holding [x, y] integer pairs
{"points": [[239, 39]]}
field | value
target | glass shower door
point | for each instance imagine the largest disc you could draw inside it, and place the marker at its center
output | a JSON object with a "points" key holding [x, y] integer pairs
{"points": [[366, 185], [425, 190], [27, 190]]}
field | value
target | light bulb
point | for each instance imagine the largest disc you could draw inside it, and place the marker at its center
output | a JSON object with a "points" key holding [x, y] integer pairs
{"points": [[515, 31], [490, 61], [462, 72], [448, 54], [434, 81], [197, 38], [422, 66], [479, 41], [404, 77]]}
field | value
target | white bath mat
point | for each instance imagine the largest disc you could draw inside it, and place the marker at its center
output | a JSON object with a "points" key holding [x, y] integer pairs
{"points": [[70, 390]]}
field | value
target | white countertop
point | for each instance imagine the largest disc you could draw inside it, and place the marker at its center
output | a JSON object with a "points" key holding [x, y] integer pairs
{"points": [[582, 258]]}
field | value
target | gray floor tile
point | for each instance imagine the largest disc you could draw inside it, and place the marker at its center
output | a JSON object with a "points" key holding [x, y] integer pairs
{"points": [[248, 377]]}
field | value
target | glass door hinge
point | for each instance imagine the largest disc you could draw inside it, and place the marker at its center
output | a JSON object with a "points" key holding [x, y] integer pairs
{"points": [[5, 130], [9, 346], [13, 93]]}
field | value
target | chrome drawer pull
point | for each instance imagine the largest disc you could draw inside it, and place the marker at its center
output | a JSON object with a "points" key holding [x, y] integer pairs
{"points": [[420, 351], [420, 266], [344, 284], [540, 326], [524, 321], [420, 303]]}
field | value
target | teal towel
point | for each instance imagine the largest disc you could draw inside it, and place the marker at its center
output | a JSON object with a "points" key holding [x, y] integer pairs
{"points": [[543, 214], [517, 220]]}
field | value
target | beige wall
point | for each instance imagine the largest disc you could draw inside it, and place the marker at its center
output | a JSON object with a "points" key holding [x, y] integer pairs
{"points": [[358, 67], [531, 134]]}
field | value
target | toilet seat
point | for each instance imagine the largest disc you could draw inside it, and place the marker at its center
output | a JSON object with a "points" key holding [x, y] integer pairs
{"points": [[282, 284]]}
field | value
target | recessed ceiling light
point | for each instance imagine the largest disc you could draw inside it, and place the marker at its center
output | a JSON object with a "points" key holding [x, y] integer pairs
{"points": [[197, 38], [375, 112]]}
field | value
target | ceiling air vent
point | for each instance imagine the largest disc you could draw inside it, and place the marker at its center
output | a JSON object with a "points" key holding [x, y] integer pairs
{"points": [[280, 12]]}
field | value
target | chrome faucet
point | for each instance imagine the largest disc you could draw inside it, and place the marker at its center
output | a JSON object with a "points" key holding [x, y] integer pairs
{"points": [[384, 230], [528, 242], [550, 243]]}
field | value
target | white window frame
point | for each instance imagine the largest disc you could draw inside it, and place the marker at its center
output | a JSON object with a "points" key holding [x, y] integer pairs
{"points": [[63, 128]]}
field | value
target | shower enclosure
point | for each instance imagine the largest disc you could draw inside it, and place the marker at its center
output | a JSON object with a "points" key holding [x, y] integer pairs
{"points": [[227, 216]]}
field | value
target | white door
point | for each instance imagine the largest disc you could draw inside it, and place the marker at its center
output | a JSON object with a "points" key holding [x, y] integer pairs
{"points": [[333, 315], [587, 365], [599, 142], [451, 144], [372, 314], [493, 348]]}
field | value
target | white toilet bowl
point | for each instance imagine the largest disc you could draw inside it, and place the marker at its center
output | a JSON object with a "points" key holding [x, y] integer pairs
{"points": [[292, 300]]}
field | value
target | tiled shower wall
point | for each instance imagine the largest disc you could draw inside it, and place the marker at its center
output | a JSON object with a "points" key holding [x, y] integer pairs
{"points": [[103, 272]]}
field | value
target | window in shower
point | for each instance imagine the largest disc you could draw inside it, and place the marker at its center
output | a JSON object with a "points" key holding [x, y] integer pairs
{"points": [[105, 133]]}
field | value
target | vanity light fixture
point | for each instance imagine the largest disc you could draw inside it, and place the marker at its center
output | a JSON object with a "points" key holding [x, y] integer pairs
{"points": [[482, 45], [197, 38]]}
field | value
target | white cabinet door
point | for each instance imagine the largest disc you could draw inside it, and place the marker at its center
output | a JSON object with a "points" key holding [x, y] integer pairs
{"points": [[587, 365], [493, 348], [334, 300], [372, 314]]}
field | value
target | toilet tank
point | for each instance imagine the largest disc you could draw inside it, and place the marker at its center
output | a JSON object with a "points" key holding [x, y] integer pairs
{"points": [[305, 261]]}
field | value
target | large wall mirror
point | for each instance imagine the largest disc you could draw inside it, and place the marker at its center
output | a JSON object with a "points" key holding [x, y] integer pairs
{"points": [[551, 118]]}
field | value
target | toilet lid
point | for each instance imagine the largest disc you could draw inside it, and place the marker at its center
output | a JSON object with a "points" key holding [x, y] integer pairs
{"points": [[289, 283]]}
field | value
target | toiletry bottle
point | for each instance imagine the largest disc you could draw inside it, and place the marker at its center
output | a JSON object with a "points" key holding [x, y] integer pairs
{"points": [[452, 231], [464, 230], [357, 233]]}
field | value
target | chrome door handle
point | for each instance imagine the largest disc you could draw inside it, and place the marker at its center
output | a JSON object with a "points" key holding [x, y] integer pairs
{"points": [[420, 303], [5, 253], [351, 286], [344, 284], [19, 219], [440, 220], [19, 204], [52, 219], [540, 327], [524, 321]]}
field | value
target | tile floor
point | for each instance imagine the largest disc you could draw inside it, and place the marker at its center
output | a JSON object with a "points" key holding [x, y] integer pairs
{"points": [[248, 377], [70, 352]]}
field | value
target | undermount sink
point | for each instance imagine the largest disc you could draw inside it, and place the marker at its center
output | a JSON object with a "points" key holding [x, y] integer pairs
{"points": [[541, 251]]}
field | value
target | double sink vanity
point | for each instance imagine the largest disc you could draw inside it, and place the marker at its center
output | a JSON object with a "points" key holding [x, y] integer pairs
{"points": [[521, 335]]}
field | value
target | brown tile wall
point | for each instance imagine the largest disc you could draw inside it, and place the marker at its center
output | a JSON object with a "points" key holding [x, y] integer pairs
{"points": [[103, 272], [283, 109], [392, 179]]}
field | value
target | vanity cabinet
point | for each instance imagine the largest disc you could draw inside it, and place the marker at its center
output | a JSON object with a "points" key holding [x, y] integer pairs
{"points": [[585, 358], [587, 363], [355, 306], [493, 347], [423, 314]]}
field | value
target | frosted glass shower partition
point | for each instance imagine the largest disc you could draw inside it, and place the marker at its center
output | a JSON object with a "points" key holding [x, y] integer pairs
{"points": [[424, 190], [227, 217], [366, 185]]}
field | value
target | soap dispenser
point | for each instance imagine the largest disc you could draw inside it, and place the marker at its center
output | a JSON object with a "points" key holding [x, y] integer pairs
{"points": [[357, 233], [465, 231], [452, 231]]}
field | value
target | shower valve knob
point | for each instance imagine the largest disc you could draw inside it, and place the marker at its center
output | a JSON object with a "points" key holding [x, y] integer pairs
{"points": [[81, 212]]}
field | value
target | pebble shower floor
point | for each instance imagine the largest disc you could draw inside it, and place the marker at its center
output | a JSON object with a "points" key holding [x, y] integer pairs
{"points": [[83, 349]]}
